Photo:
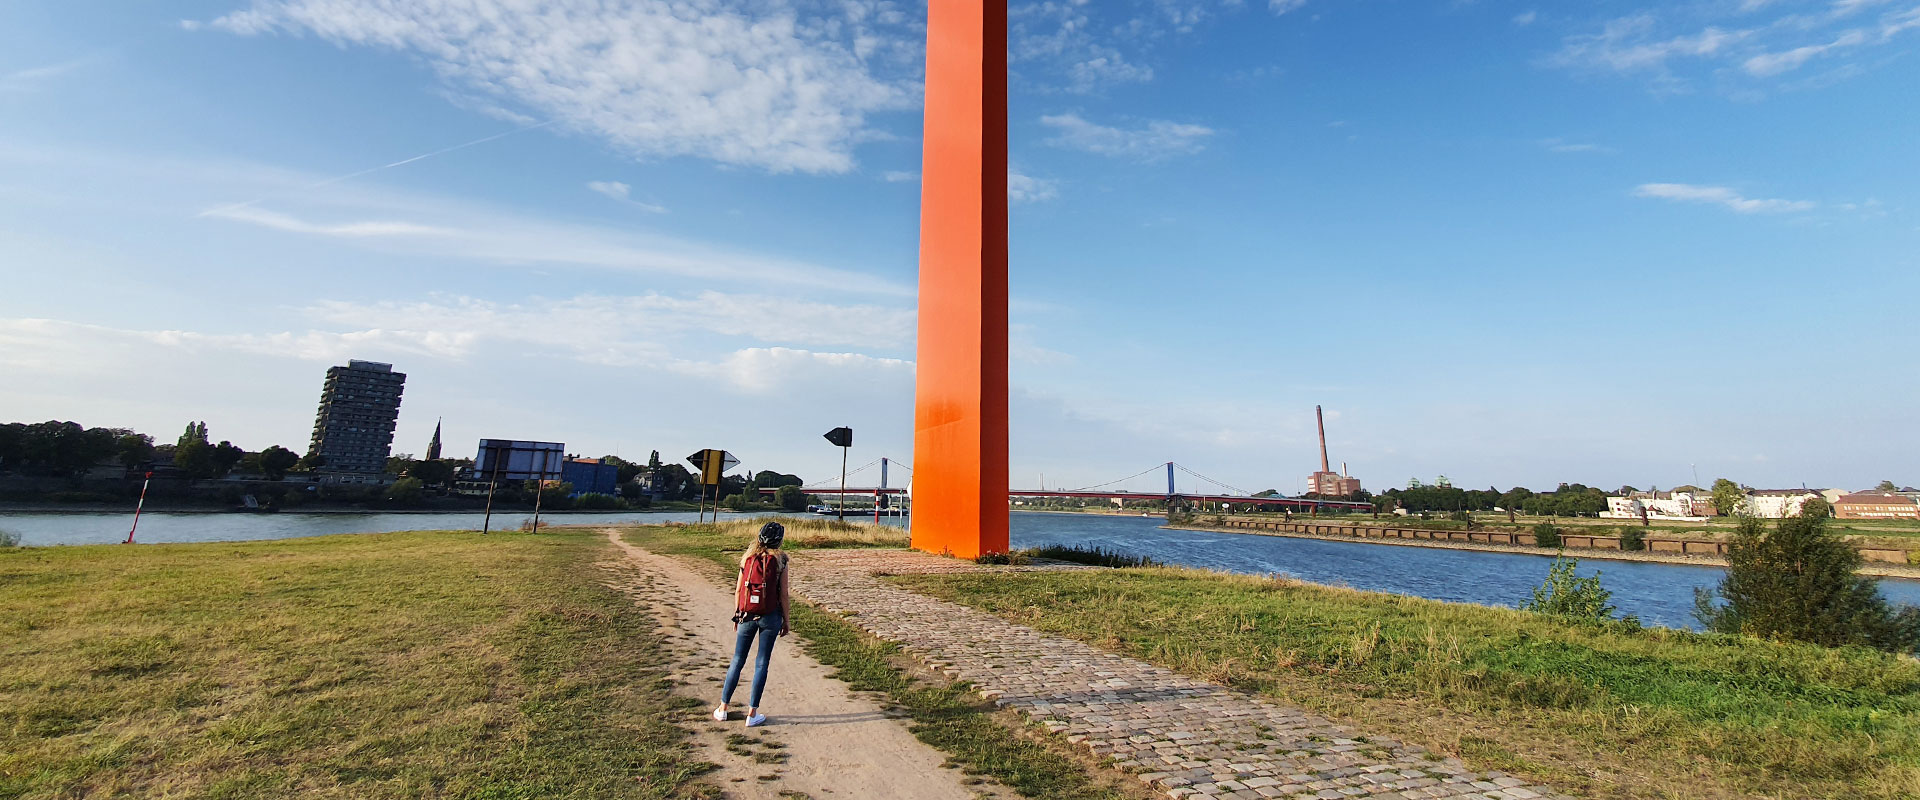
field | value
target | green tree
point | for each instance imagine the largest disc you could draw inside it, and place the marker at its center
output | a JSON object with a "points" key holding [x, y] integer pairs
{"points": [[791, 498], [1800, 582], [224, 457], [134, 449], [1885, 486], [192, 453], [405, 492], [436, 472], [275, 461], [1727, 497], [1816, 507], [310, 463], [1546, 534]]}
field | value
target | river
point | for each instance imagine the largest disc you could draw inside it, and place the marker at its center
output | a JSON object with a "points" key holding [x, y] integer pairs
{"points": [[1660, 594]]}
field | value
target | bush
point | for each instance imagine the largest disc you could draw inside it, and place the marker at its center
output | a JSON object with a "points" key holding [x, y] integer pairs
{"points": [[790, 498], [406, 491], [1546, 535], [1081, 554], [8, 539], [595, 501], [1799, 581], [1633, 538], [1570, 596]]}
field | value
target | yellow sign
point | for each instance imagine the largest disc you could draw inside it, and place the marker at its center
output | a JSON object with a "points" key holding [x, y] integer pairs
{"points": [[712, 464]]}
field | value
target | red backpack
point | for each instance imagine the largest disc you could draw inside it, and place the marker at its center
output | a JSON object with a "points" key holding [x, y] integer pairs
{"points": [[759, 585]]}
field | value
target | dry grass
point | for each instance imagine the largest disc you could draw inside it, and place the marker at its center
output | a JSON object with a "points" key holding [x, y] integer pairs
{"points": [[396, 665]]}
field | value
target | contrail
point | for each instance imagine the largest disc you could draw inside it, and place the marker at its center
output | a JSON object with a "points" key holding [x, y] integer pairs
{"points": [[401, 162]]}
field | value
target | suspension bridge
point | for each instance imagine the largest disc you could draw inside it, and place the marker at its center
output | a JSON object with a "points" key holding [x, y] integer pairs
{"points": [[1212, 492]]}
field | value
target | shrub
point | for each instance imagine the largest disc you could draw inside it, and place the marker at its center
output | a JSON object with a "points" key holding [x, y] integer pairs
{"points": [[1460, 516], [1633, 538], [8, 539], [1546, 535], [1799, 581], [406, 491], [1081, 554], [1570, 596], [597, 502]]}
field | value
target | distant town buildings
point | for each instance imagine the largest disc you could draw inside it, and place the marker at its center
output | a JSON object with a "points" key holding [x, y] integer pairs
{"points": [[1326, 482], [1776, 503], [353, 430], [1660, 505], [1876, 505]]}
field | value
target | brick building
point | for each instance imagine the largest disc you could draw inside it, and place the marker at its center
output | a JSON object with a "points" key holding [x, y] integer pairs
{"points": [[1876, 505]]}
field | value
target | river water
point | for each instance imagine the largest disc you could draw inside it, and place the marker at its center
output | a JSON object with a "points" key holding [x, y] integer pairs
{"points": [[1660, 594]]}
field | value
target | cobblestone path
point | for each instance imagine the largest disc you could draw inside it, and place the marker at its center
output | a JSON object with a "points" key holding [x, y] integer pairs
{"points": [[1184, 737]]}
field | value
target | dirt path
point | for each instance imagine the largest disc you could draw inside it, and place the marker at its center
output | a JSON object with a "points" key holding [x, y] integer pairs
{"points": [[821, 740]]}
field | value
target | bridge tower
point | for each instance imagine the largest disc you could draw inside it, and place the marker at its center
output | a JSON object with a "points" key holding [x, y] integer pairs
{"points": [[960, 386], [1169, 481]]}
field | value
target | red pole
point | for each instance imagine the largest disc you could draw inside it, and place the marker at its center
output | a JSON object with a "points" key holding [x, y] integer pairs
{"points": [[137, 506], [876, 506]]}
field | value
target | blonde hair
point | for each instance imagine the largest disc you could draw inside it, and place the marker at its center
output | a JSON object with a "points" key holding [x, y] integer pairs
{"points": [[757, 548]]}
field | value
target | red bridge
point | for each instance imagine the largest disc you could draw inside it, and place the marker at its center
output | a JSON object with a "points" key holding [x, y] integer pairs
{"points": [[1271, 502]]}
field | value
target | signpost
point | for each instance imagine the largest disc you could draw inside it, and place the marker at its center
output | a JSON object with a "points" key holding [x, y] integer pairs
{"points": [[711, 464], [842, 437]]}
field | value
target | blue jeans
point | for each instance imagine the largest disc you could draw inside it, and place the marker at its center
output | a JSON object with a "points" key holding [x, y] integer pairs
{"points": [[767, 627]]}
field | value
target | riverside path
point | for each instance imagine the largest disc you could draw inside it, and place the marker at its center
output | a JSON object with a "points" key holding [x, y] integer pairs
{"points": [[1183, 737]]}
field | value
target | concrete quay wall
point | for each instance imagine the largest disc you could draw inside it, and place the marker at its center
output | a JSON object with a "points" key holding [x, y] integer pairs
{"points": [[1702, 547]]}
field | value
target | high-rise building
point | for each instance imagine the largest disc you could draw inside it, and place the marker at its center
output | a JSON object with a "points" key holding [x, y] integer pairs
{"points": [[353, 430]]}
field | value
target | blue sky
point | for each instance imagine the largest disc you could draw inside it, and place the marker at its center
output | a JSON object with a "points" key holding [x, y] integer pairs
{"points": [[1514, 243]]}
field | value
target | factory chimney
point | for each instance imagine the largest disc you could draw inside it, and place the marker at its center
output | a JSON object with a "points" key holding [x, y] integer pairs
{"points": [[1322, 421]]}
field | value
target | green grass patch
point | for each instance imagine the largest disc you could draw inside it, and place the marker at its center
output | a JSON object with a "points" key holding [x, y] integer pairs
{"points": [[391, 665], [1660, 712], [945, 715]]}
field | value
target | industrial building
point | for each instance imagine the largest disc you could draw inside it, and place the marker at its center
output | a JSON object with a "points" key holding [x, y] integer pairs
{"points": [[353, 430], [590, 476], [1326, 482]]}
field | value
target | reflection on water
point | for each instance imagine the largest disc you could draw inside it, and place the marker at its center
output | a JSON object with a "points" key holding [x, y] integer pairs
{"points": [[1661, 594]]}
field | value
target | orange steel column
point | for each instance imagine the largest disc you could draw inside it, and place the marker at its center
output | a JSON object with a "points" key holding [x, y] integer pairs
{"points": [[960, 392]]}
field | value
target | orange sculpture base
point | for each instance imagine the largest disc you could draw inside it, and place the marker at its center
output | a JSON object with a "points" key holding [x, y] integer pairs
{"points": [[960, 392]]}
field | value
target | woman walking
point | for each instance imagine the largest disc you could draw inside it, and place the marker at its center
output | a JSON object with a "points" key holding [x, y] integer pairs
{"points": [[760, 602]]}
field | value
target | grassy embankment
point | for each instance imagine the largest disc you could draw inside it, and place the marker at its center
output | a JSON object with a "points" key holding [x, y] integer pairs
{"points": [[1599, 712], [392, 665], [947, 716]]}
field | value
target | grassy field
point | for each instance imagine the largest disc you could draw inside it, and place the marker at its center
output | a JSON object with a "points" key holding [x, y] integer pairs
{"points": [[949, 717], [393, 665], [1603, 713]]}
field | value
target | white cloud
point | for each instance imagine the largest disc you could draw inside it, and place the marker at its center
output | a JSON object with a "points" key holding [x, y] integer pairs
{"points": [[1525, 18], [1023, 188], [1564, 146], [1764, 44], [739, 83], [623, 193], [352, 230], [34, 78], [1719, 195], [1767, 64], [1156, 140], [900, 176], [1284, 6]]}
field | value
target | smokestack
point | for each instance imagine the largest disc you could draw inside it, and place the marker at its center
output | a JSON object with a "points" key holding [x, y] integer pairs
{"points": [[1322, 421]]}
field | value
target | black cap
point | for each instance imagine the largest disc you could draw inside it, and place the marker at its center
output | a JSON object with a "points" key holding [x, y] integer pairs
{"points": [[772, 533]]}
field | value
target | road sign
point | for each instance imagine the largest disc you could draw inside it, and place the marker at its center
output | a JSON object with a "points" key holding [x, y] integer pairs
{"points": [[841, 437], [712, 464]]}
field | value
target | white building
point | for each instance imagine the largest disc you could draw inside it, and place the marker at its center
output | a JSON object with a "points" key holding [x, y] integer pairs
{"points": [[1775, 503], [1682, 506]]}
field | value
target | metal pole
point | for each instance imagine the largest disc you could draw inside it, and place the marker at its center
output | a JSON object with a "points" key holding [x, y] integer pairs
{"points": [[843, 484], [493, 482], [137, 506], [539, 489], [876, 506]]}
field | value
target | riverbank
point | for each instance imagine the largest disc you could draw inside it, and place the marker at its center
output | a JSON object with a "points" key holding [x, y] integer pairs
{"points": [[1584, 554], [413, 664], [1605, 712]]}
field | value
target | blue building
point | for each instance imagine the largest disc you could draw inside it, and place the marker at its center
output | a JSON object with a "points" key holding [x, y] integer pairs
{"points": [[590, 475]]}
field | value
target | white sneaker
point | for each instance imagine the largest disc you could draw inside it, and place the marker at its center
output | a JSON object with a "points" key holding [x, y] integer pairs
{"points": [[756, 720], [719, 715]]}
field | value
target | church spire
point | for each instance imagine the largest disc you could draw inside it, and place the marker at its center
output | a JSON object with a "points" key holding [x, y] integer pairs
{"points": [[433, 449]]}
